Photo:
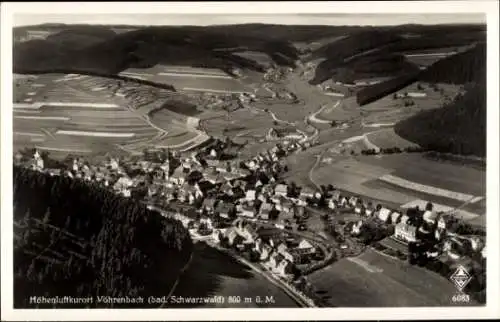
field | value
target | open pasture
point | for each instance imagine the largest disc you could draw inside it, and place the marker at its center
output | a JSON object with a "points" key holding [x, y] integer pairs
{"points": [[423, 95], [387, 138], [317, 43], [240, 121], [440, 183], [346, 168], [415, 167], [423, 61], [167, 120], [176, 139], [379, 281], [348, 109], [390, 109], [194, 83], [353, 180], [449, 50], [261, 58], [284, 111], [178, 69]]}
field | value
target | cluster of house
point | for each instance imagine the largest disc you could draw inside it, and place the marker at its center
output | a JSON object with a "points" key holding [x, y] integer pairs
{"points": [[284, 133], [223, 191], [416, 226], [278, 251], [36, 163], [107, 173], [276, 74]]}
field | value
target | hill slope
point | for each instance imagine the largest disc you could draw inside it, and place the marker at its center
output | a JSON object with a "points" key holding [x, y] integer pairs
{"points": [[462, 68], [459, 128], [72, 239], [190, 46]]}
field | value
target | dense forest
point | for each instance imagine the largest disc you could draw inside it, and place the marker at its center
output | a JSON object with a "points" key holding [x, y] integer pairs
{"points": [[105, 52], [77, 239], [462, 68], [374, 92], [458, 128], [96, 48], [375, 52]]}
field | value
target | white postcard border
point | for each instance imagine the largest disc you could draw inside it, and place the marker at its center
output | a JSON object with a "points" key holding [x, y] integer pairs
{"points": [[488, 7]]}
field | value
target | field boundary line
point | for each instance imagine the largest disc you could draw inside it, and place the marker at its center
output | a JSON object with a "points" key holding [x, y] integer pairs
{"points": [[365, 265], [425, 188]]}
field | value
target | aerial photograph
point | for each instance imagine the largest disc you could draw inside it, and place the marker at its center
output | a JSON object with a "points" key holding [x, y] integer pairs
{"points": [[230, 161]]}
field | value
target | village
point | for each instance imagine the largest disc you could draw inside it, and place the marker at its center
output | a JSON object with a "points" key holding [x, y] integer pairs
{"points": [[244, 207]]}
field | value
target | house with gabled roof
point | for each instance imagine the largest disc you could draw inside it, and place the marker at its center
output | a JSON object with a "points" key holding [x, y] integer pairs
{"points": [[282, 248], [286, 205], [212, 163], [404, 219], [343, 201], [302, 200], [285, 268], [226, 188], [250, 195], [265, 251], [208, 205], [358, 209], [395, 218], [265, 210], [353, 201], [335, 195], [384, 215], [214, 178], [406, 233], [306, 192], [275, 259], [305, 244], [332, 204], [178, 177], [246, 210], [281, 190], [430, 217], [234, 238], [238, 192], [225, 210]]}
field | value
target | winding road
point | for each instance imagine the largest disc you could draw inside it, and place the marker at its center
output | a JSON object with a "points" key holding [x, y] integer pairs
{"points": [[313, 117]]}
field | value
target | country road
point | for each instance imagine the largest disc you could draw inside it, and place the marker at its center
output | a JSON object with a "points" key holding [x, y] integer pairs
{"points": [[313, 117]]}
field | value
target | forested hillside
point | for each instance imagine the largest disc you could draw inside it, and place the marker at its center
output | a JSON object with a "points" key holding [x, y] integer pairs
{"points": [[459, 128], [375, 52], [76, 239], [145, 47], [462, 68]]}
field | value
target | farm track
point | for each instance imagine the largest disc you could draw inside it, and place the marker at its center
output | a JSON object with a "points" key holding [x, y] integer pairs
{"points": [[313, 117]]}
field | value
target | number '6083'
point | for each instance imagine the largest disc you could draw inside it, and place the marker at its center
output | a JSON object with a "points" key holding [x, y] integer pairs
{"points": [[460, 298]]}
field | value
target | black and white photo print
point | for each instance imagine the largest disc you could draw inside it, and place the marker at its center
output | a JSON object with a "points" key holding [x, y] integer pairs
{"points": [[216, 157]]}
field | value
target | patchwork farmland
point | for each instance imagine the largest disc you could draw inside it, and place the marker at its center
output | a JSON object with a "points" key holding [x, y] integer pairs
{"points": [[406, 178], [190, 79], [83, 114]]}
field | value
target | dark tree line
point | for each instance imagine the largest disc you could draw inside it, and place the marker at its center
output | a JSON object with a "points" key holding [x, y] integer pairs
{"points": [[461, 68], [374, 92], [106, 245], [458, 128]]}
